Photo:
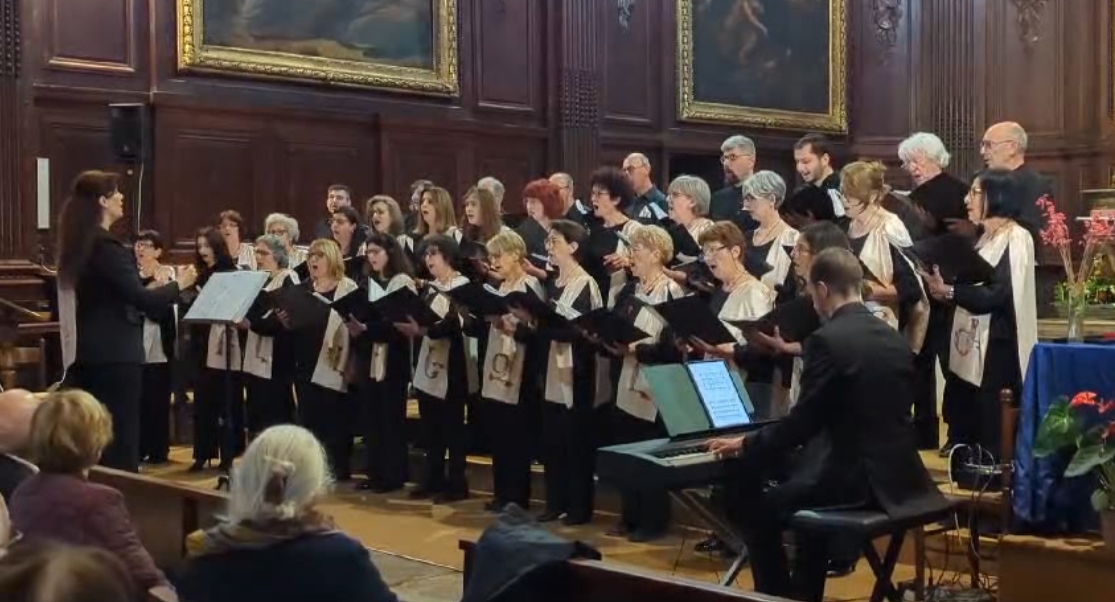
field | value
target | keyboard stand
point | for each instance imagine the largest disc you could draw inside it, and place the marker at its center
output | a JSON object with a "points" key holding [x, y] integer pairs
{"points": [[699, 504]]}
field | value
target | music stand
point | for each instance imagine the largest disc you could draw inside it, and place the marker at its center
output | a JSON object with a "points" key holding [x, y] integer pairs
{"points": [[224, 301]]}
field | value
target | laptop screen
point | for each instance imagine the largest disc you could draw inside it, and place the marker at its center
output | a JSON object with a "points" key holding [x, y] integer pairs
{"points": [[718, 393]]}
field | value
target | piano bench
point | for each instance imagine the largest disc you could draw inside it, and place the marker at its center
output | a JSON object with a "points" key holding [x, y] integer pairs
{"points": [[868, 525]]}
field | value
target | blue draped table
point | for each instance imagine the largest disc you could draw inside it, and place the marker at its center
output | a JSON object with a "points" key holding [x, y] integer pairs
{"points": [[1045, 501]]}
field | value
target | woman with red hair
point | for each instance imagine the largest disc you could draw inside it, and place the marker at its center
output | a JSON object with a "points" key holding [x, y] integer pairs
{"points": [[542, 200]]}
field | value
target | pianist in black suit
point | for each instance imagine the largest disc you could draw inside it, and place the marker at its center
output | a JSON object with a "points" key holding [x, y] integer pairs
{"points": [[101, 305], [856, 390]]}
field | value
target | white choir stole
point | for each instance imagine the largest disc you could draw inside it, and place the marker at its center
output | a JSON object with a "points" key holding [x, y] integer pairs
{"points": [[503, 360], [332, 359], [633, 394], [432, 377], [778, 258], [216, 348], [559, 364], [876, 255], [970, 333], [260, 350], [749, 301], [379, 350], [153, 352]]}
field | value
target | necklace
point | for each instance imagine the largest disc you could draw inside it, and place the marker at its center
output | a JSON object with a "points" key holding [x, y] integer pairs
{"points": [[647, 287], [761, 238], [741, 277], [564, 277]]}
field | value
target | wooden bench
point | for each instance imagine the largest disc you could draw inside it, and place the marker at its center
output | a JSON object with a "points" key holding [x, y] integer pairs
{"points": [[596, 581], [164, 513]]}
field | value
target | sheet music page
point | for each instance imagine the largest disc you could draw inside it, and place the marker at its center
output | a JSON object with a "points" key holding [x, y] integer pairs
{"points": [[227, 297], [718, 394], [375, 291]]}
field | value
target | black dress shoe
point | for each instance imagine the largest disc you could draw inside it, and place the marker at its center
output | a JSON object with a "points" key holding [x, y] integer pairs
{"points": [[549, 516], [573, 521], [712, 544], [421, 493], [197, 466], [841, 568], [448, 497]]}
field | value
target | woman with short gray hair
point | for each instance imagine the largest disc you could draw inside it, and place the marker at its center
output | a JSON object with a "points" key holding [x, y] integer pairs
{"points": [[286, 228], [689, 198], [269, 349], [274, 528], [768, 255]]}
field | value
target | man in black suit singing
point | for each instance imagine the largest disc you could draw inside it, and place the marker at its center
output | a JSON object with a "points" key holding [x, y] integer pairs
{"points": [[855, 390]]}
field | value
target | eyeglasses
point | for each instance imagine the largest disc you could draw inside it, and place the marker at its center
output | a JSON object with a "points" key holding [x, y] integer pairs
{"points": [[631, 168], [988, 144], [729, 157]]}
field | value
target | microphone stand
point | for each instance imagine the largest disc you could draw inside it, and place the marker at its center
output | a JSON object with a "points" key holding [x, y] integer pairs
{"points": [[227, 448]]}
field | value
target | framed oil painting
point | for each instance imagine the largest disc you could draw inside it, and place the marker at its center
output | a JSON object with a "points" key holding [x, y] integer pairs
{"points": [[408, 45], [763, 63]]}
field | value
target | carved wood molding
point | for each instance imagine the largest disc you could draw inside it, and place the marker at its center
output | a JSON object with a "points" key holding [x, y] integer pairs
{"points": [[887, 15], [9, 38], [1030, 15]]}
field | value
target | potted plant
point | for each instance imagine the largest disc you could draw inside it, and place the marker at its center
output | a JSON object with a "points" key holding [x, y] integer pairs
{"points": [[1080, 289], [1085, 424]]}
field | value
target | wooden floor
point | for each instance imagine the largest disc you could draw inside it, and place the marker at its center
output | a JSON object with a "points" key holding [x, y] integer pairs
{"points": [[420, 530]]}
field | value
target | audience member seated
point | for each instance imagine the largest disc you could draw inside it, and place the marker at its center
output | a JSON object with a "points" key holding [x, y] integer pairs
{"points": [[52, 572], [69, 431], [16, 408], [275, 546]]}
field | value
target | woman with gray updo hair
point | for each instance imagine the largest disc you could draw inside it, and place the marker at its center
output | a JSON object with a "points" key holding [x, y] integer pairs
{"points": [[768, 255], [273, 528], [286, 228], [269, 349]]}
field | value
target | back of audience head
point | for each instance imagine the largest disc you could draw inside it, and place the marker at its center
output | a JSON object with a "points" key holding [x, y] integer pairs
{"points": [[69, 431], [281, 477], [46, 572]]}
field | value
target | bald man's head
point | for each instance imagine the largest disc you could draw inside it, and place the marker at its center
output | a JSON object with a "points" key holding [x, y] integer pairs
{"points": [[637, 168], [1004, 146]]}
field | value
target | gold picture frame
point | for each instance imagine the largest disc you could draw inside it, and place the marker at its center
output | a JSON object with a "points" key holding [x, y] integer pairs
{"points": [[834, 119], [442, 79]]}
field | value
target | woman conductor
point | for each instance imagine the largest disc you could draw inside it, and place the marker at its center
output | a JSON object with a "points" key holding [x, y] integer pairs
{"points": [[101, 303]]}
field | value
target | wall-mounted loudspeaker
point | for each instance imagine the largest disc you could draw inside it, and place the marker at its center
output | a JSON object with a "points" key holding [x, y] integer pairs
{"points": [[128, 130]]}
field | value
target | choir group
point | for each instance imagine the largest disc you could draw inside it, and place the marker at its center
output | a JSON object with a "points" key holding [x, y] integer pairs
{"points": [[524, 387]]}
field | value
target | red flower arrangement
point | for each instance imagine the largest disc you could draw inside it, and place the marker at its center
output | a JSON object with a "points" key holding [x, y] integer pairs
{"points": [[1087, 424], [1098, 231]]}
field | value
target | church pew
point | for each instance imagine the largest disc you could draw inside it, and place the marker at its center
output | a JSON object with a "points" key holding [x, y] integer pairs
{"points": [[163, 512], [597, 581]]}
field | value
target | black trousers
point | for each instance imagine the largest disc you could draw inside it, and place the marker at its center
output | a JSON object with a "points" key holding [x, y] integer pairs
{"points": [[509, 437], [569, 455], [646, 509], [385, 445], [443, 430], [218, 401], [270, 402], [119, 388], [324, 413], [154, 413], [761, 511]]}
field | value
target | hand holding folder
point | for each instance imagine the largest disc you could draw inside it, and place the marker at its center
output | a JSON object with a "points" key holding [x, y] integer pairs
{"points": [[480, 300], [609, 328], [299, 309], [691, 318], [958, 260], [403, 305]]}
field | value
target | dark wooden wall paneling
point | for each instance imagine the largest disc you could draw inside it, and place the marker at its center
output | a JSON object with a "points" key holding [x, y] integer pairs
{"points": [[545, 85]]}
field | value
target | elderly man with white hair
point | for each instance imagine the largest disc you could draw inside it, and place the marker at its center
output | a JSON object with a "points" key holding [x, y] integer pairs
{"points": [[937, 194], [737, 157]]}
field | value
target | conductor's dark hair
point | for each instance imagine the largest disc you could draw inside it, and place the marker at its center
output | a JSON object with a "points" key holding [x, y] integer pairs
{"points": [[79, 224], [824, 235], [817, 144], [839, 270], [572, 232], [151, 237], [397, 262], [444, 245], [1000, 193], [615, 183]]}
